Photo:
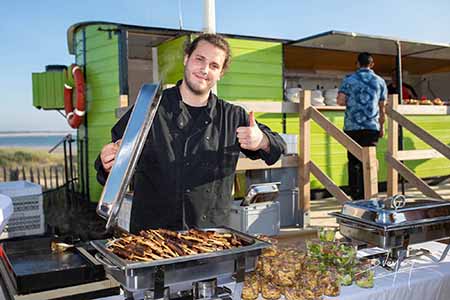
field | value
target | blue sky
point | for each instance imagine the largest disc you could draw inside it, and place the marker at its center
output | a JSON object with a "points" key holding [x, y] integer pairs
{"points": [[33, 33]]}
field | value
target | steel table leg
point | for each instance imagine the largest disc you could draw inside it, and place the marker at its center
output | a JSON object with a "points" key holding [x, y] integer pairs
{"points": [[240, 276]]}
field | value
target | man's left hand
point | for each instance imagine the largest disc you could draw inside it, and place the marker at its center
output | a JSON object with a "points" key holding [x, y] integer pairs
{"points": [[251, 137]]}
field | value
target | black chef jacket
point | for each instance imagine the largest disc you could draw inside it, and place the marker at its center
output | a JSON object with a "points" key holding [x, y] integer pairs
{"points": [[185, 174]]}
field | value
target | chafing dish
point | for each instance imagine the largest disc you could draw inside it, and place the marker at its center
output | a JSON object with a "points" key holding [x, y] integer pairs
{"points": [[180, 273], [395, 223]]}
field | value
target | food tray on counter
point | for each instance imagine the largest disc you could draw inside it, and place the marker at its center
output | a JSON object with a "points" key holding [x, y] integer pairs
{"points": [[139, 275], [395, 222]]}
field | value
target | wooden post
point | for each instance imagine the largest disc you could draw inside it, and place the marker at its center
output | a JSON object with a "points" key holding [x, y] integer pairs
{"points": [[4, 174], [45, 179], [304, 157], [51, 177], [14, 174], [38, 176], [370, 171], [31, 174], [56, 174], [23, 173], [392, 150]]}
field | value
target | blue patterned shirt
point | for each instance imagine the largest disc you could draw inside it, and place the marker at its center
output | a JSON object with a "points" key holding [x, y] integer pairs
{"points": [[364, 90]]}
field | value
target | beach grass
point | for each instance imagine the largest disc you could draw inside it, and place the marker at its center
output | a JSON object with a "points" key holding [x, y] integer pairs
{"points": [[29, 157]]}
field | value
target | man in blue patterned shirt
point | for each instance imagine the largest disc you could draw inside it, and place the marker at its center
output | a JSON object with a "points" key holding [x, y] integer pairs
{"points": [[364, 94]]}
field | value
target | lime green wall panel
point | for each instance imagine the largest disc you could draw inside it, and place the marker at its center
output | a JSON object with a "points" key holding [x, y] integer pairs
{"points": [[48, 90], [170, 60], [255, 72], [102, 92], [331, 157]]}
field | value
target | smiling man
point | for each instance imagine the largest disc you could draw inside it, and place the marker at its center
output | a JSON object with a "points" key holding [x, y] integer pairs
{"points": [[185, 174]]}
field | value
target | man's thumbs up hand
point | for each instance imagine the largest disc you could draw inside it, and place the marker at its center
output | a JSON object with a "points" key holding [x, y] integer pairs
{"points": [[251, 137], [251, 119]]}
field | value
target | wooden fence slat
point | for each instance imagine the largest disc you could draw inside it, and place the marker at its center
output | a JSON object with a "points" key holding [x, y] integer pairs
{"points": [[13, 176], [304, 182], [328, 183], [419, 132], [370, 171], [418, 154], [23, 173], [45, 179], [38, 176], [56, 177], [51, 177], [335, 132], [31, 174], [411, 177], [4, 174], [392, 174]]}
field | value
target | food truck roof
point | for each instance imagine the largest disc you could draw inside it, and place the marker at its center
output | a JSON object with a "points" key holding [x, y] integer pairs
{"points": [[356, 42], [156, 30], [418, 57]]}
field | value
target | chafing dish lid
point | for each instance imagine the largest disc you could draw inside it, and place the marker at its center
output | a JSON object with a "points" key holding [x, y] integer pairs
{"points": [[396, 210], [261, 192], [133, 141]]}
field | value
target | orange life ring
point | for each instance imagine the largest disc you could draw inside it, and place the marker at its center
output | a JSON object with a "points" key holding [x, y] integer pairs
{"points": [[75, 116]]}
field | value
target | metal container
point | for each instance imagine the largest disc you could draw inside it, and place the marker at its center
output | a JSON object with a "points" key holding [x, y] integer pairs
{"points": [[181, 272], [395, 222], [261, 192]]}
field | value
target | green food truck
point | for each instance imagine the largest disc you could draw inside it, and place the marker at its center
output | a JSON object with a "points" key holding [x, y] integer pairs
{"points": [[116, 59]]}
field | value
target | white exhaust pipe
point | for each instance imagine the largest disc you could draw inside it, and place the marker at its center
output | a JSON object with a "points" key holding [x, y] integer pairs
{"points": [[209, 16]]}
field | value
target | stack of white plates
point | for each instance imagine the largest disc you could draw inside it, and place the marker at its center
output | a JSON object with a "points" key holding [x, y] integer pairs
{"points": [[317, 98], [330, 97], [292, 94]]}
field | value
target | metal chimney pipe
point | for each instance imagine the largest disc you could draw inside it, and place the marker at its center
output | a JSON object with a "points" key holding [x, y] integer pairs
{"points": [[209, 16]]}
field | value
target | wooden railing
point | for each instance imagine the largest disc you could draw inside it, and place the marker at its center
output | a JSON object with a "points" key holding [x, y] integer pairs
{"points": [[394, 157], [367, 155]]}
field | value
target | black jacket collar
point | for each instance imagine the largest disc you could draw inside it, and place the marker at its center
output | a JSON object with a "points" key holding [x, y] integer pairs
{"points": [[181, 113]]}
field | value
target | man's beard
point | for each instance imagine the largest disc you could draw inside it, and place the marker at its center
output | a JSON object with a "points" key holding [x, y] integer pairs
{"points": [[192, 88]]}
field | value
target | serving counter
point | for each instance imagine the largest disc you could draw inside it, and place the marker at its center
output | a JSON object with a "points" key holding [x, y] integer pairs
{"points": [[418, 278]]}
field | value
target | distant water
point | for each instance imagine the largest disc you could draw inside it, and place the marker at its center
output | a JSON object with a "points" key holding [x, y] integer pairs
{"points": [[41, 140]]}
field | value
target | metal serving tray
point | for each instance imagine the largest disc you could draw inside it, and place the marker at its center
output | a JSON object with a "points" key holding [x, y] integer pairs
{"points": [[135, 276], [395, 222], [133, 141]]}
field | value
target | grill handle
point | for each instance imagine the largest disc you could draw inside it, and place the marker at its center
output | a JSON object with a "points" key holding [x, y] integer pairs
{"points": [[105, 262]]}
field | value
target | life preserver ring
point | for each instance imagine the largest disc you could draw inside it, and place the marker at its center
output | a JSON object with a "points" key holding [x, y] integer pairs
{"points": [[75, 116]]}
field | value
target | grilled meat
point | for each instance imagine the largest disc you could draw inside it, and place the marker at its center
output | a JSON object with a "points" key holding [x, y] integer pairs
{"points": [[162, 243]]}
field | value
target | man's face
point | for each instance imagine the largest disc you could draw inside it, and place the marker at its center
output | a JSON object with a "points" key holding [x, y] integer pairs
{"points": [[203, 68]]}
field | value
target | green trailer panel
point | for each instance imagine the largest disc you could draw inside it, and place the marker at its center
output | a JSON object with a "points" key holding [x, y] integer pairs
{"points": [[101, 57], [255, 72], [48, 90], [170, 60]]}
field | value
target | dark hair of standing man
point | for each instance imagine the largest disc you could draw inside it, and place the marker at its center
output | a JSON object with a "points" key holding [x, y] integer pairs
{"points": [[365, 59], [213, 39]]}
